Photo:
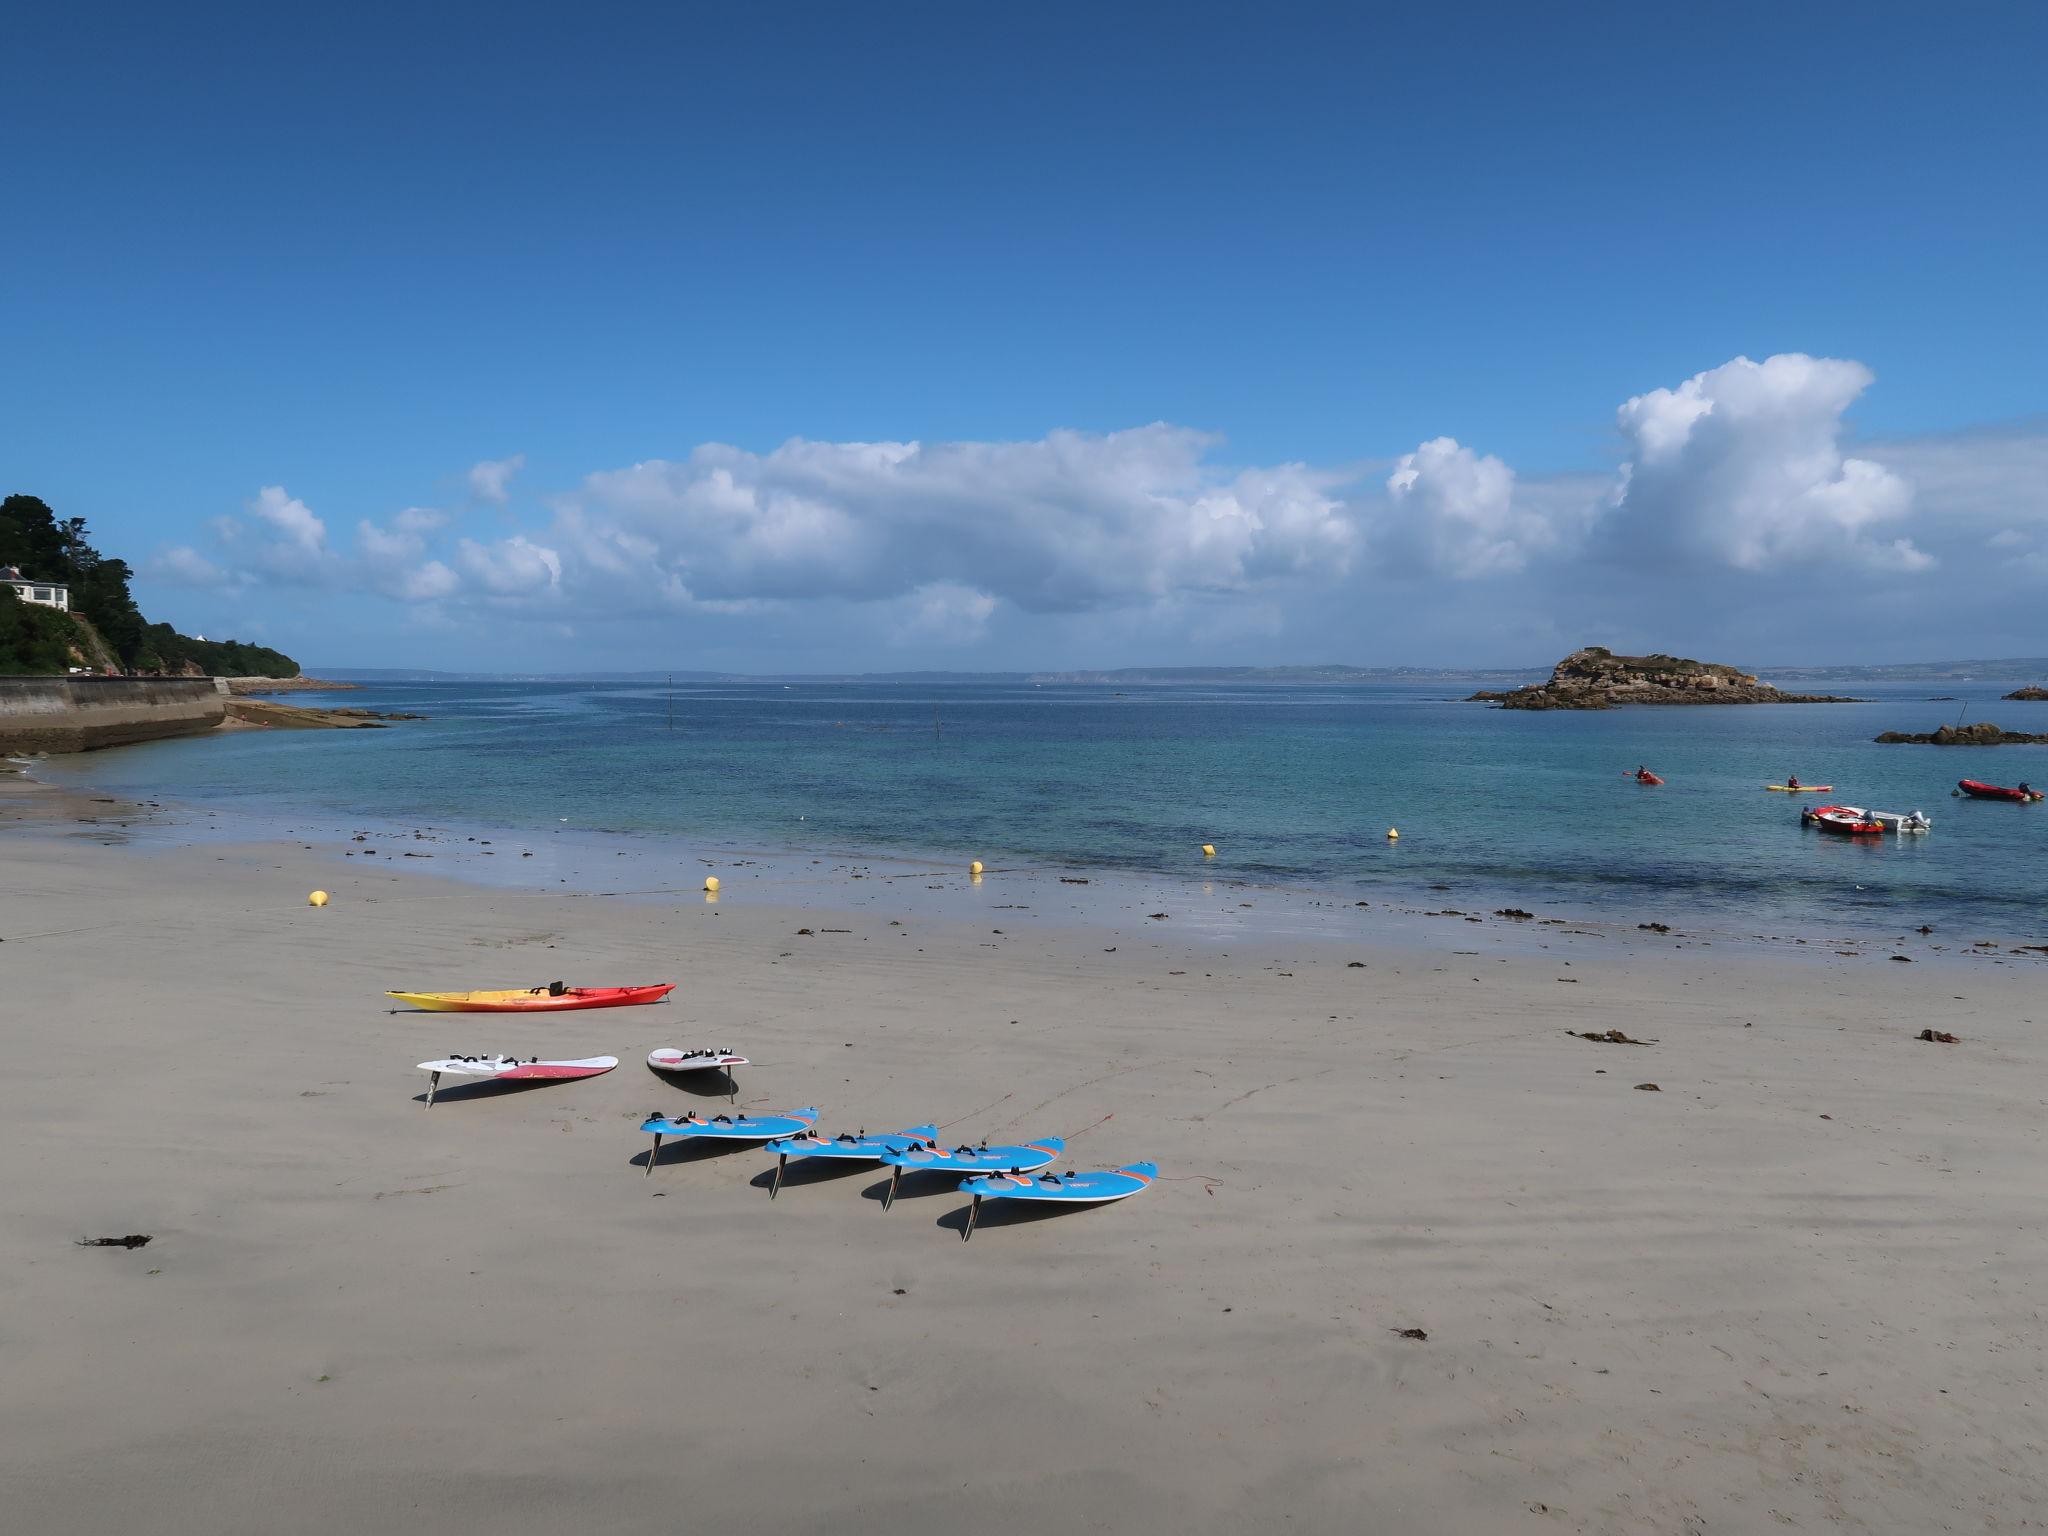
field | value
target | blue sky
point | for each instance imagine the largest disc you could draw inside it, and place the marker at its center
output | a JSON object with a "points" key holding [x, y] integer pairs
{"points": [[270, 273]]}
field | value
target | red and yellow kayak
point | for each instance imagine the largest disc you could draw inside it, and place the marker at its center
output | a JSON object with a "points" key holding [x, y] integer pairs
{"points": [[534, 999]]}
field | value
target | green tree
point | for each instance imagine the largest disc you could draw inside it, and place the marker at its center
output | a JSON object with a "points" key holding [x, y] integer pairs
{"points": [[33, 640]]}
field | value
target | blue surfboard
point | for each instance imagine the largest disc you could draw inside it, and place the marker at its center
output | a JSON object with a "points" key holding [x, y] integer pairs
{"points": [[1024, 1157], [772, 1126], [845, 1147], [1093, 1188]]}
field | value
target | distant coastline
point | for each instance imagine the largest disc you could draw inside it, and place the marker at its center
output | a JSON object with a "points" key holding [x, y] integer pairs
{"points": [[1312, 674]]}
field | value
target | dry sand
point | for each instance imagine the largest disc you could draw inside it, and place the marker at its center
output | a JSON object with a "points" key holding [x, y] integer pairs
{"points": [[1798, 1288]]}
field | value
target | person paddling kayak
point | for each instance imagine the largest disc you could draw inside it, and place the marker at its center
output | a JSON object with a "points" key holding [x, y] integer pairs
{"points": [[1791, 781]]}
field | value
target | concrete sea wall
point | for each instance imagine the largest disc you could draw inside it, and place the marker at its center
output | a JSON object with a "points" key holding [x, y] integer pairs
{"points": [[81, 714]]}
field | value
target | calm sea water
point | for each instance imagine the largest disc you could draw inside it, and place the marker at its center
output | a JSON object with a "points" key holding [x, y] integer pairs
{"points": [[1293, 785]]}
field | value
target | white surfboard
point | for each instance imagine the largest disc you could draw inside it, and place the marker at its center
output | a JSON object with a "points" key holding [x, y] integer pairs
{"points": [[668, 1059], [513, 1069]]}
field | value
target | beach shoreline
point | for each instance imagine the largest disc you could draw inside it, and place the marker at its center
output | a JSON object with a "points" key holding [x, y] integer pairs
{"points": [[1223, 906], [487, 1317]]}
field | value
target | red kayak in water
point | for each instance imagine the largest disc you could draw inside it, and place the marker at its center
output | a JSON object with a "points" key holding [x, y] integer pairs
{"points": [[1644, 776], [1977, 789]]}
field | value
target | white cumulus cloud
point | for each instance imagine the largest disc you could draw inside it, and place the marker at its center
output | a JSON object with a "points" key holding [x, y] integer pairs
{"points": [[1455, 512], [491, 479], [183, 566], [1072, 521], [1743, 464], [945, 611], [514, 567]]}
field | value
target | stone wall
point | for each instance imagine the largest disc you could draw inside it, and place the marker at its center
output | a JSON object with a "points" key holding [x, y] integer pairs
{"points": [[80, 714]]}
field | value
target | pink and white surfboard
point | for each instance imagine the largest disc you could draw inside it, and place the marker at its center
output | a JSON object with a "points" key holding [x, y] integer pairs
{"points": [[513, 1069]]}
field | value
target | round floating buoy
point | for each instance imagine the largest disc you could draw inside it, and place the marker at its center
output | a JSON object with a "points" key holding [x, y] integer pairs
{"points": [[974, 868], [317, 899], [711, 882], [1208, 850], [1393, 834]]}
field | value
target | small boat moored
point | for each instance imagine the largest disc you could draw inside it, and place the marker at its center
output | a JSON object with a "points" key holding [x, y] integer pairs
{"points": [[1845, 819], [1887, 821], [1977, 789]]}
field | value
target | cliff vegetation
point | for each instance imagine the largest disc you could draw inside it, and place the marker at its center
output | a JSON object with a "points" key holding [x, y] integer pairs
{"points": [[104, 627]]}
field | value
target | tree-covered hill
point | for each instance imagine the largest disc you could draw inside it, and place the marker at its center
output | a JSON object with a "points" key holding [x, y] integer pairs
{"points": [[34, 639]]}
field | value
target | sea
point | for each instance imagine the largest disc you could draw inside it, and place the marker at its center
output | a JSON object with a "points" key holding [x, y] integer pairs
{"points": [[1293, 785]]}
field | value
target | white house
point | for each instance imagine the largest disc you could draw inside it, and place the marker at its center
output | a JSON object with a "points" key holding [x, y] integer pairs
{"points": [[51, 594]]}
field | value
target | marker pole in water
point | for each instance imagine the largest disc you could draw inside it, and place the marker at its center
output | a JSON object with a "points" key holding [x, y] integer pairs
{"points": [[895, 1178], [654, 1154], [781, 1162], [433, 1082], [973, 1211]]}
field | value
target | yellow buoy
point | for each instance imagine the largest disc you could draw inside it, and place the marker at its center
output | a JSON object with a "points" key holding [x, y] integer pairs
{"points": [[317, 899], [1393, 834], [974, 868], [711, 882], [1208, 850]]}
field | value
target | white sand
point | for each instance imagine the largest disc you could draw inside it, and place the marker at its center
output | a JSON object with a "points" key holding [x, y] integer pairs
{"points": [[1707, 1309]]}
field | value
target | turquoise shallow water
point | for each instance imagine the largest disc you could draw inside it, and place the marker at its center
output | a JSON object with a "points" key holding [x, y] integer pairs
{"points": [[1295, 785]]}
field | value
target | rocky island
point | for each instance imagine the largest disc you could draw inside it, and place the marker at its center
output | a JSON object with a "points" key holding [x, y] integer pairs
{"points": [[1982, 734], [1596, 678], [2036, 695]]}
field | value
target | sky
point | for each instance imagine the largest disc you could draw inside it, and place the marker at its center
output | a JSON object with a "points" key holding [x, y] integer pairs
{"points": [[803, 337]]}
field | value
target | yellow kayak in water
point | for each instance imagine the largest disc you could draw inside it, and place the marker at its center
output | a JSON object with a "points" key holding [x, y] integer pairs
{"points": [[1802, 789]]}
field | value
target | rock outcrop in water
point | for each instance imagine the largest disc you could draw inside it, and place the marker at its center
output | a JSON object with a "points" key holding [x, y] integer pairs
{"points": [[269, 714], [1596, 678], [1982, 734], [2038, 695]]}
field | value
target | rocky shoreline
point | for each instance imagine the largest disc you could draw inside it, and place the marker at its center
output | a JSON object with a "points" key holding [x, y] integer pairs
{"points": [[246, 685], [1596, 678], [1982, 734], [267, 715]]}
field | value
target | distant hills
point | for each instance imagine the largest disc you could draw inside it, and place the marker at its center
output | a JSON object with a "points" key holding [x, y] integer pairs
{"points": [[1108, 678], [2007, 670]]}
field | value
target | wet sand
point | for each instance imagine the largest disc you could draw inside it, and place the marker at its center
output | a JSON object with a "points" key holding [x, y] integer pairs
{"points": [[1797, 1287]]}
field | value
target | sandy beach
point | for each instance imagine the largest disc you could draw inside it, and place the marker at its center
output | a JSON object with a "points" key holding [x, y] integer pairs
{"points": [[1795, 1288]]}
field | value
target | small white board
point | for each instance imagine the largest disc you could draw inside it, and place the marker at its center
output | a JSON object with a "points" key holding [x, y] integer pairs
{"points": [[668, 1059], [529, 1069]]}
